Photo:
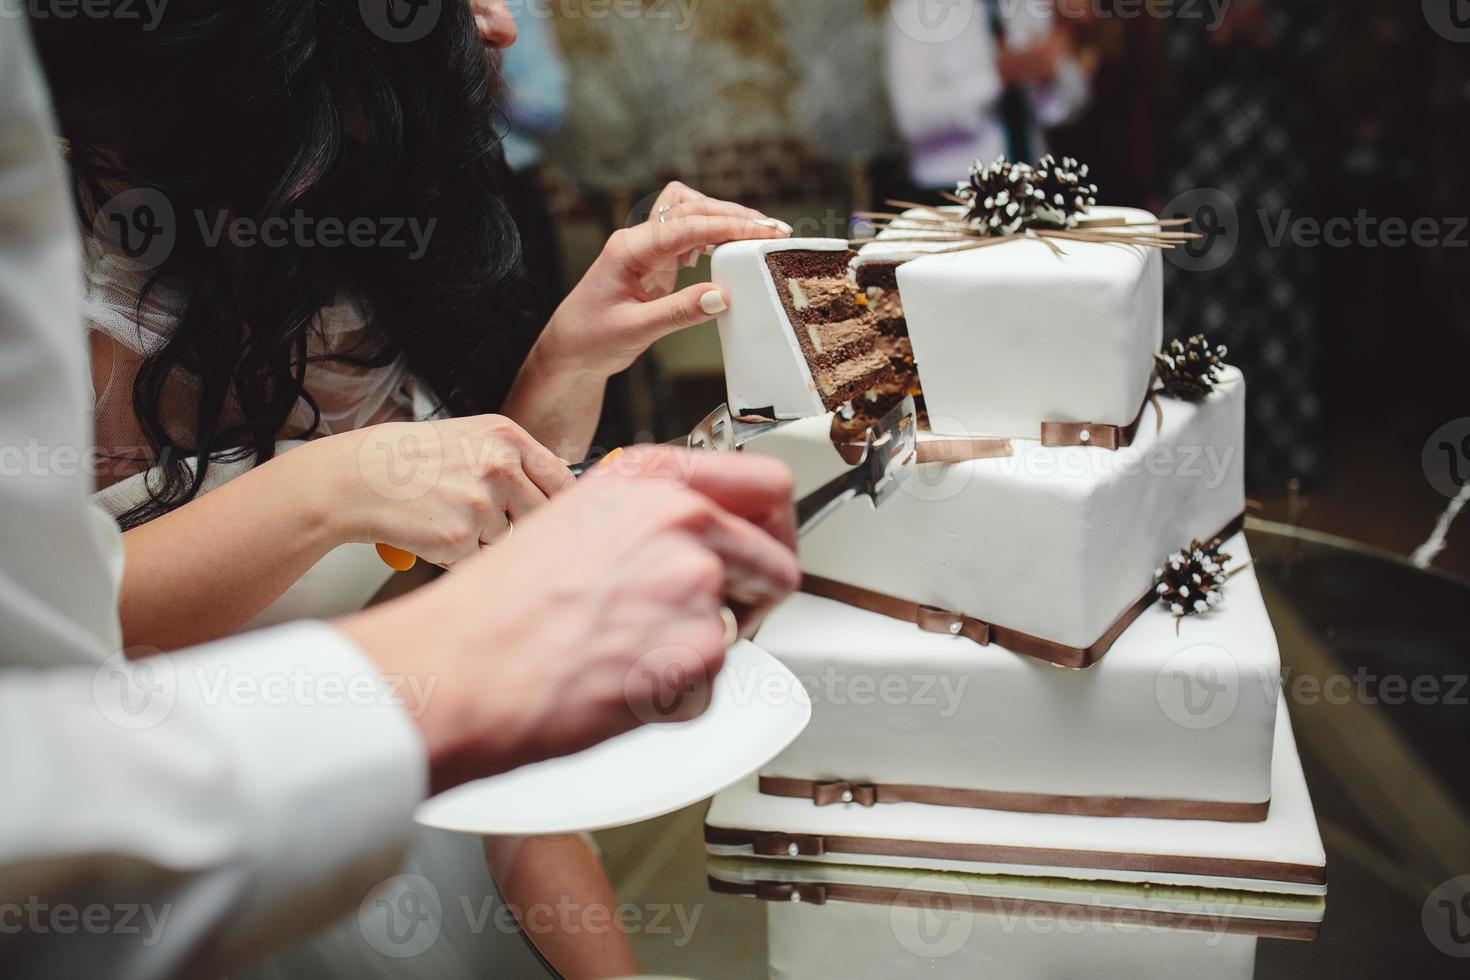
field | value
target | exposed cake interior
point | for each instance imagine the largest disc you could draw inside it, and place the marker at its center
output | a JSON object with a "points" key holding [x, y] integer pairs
{"points": [[879, 284], [833, 322]]}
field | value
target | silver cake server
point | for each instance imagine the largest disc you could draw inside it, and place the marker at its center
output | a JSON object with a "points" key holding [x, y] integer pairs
{"points": [[890, 451], [723, 432], [719, 432]]}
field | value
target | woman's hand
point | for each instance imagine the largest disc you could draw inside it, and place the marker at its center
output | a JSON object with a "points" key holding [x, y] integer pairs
{"points": [[439, 490], [625, 303], [436, 489]]}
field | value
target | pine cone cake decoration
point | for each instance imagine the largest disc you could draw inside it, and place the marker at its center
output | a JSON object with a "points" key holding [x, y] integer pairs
{"points": [[1192, 580], [1190, 370], [1005, 198]]}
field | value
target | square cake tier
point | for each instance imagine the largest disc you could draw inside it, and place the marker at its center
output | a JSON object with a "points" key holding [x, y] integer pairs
{"points": [[1176, 722], [1279, 856], [1011, 336], [1055, 543]]}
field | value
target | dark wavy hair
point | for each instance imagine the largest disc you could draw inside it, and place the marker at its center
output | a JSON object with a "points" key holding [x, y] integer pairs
{"points": [[264, 109]]}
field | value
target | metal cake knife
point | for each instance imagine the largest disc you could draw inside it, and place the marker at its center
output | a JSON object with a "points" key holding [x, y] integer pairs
{"points": [[891, 450]]}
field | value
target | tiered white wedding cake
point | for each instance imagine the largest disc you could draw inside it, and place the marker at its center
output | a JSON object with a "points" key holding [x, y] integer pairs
{"points": [[1058, 617]]}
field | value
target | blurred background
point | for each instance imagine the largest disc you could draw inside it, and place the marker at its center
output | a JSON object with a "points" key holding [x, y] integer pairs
{"points": [[1320, 145]]}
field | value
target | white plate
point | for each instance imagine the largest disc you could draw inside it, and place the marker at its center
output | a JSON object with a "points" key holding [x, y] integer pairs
{"points": [[757, 709]]}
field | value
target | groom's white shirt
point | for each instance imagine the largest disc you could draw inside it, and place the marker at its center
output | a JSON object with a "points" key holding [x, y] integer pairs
{"points": [[183, 817]]}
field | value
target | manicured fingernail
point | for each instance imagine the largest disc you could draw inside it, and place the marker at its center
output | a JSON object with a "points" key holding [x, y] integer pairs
{"points": [[691, 260], [713, 302], [775, 223], [708, 250]]}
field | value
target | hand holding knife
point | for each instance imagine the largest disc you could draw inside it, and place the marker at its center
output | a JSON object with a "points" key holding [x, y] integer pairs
{"points": [[889, 451]]}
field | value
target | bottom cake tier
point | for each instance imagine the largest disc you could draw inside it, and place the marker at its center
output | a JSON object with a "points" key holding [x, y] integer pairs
{"points": [[936, 939], [1279, 856], [1176, 722]]}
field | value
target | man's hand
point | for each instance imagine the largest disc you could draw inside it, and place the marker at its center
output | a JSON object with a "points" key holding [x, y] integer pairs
{"points": [[558, 638]]}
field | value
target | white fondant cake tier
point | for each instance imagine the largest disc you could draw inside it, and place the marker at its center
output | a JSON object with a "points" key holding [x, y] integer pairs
{"points": [[1010, 336], [765, 368], [839, 942], [1282, 855], [1169, 717], [1051, 542]]}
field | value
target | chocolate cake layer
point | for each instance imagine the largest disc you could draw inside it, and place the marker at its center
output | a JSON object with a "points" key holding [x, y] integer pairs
{"points": [[833, 322]]}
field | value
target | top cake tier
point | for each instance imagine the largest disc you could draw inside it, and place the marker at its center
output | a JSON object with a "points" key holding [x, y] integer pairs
{"points": [[1014, 335], [1005, 338]]}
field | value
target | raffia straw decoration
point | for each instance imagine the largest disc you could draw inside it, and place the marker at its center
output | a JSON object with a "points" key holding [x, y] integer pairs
{"points": [[1007, 202]]}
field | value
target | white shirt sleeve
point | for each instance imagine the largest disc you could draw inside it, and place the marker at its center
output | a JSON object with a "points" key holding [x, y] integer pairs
{"points": [[186, 814], [237, 796]]}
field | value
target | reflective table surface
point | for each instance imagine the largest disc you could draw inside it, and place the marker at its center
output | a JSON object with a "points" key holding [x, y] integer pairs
{"points": [[1376, 670]]}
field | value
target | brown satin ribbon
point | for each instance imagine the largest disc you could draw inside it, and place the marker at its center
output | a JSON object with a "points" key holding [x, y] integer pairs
{"points": [[963, 450], [810, 845], [930, 450], [933, 620], [1114, 437], [1016, 908], [868, 794]]}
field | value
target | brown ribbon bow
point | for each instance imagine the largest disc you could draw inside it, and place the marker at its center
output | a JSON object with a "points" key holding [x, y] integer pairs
{"points": [[779, 891], [1113, 437], [831, 794]]}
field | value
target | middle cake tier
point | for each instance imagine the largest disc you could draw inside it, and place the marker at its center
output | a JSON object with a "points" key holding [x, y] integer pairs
{"points": [[1176, 723], [1052, 550]]}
